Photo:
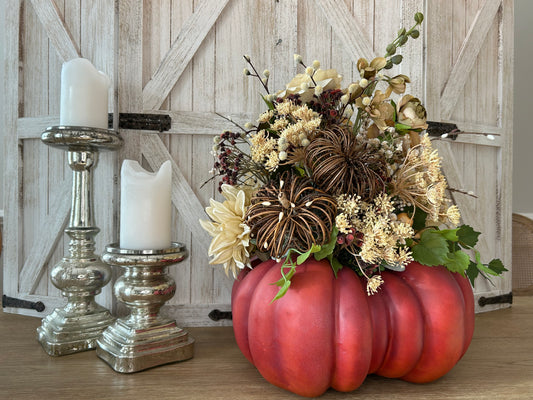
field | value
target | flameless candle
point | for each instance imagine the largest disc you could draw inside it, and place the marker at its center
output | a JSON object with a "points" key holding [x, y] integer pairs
{"points": [[145, 207], [84, 94]]}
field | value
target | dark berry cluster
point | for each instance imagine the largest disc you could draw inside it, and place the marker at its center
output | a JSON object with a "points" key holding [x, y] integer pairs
{"points": [[328, 105], [229, 159], [349, 238]]}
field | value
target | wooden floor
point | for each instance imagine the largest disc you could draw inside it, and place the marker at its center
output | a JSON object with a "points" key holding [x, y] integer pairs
{"points": [[498, 365]]}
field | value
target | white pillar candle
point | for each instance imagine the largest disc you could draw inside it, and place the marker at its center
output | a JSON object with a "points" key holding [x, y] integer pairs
{"points": [[145, 207], [84, 95]]}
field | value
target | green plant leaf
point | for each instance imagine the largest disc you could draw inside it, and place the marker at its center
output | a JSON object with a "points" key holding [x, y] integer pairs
{"points": [[282, 291], [431, 250], [482, 267], [268, 103], [497, 266], [401, 127], [303, 257], [300, 170], [419, 219], [467, 236], [472, 272], [335, 264], [449, 234], [458, 261], [327, 249]]}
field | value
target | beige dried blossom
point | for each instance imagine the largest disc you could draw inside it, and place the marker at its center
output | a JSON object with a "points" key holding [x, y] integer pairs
{"points": [[231, 236], [382, 235], [419, 182], [377, 108], [266, 116], [272, 161], [411, 112], [261, 146], [453, 214], [304, 113], [328, 79], [373, 284], [279, 124]]}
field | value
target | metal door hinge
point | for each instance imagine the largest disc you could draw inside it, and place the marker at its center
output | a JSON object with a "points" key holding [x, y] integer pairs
{"points": [[18, 303], [440, 128], [144, 122], [503, 298], [217, 315]]}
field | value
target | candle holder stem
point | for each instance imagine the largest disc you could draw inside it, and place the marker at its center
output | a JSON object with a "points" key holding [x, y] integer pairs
{"points": [[81, 275], [144, 339]]}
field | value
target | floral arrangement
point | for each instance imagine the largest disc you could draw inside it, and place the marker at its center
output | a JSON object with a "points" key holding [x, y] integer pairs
{"points": [[339, 173]]}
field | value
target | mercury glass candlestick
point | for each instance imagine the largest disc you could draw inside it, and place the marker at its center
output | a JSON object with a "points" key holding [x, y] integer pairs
{"points": [[81, 274], [144, 339]]}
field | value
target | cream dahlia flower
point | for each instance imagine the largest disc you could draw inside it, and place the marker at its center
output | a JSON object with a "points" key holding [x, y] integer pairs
{"points": [[231, 235]]}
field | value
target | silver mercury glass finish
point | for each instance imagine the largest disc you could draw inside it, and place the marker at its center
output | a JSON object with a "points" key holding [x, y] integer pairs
{"points": [[81, 275], [144, 339]]}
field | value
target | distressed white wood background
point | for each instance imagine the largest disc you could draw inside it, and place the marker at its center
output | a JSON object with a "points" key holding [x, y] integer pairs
{"points": [[184, 58]]}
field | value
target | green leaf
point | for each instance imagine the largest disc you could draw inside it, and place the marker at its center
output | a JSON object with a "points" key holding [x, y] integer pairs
{"points": [[268, 103], [497, 266], [431, 250], [397, 59], [327, 249], [472, 272], [449, 234], [303, 257], [419, 17], [419, 219], [482, 267], [401, 127], [467, 236], [300, 170], [282, 291], [458, 261], [335, 264]]}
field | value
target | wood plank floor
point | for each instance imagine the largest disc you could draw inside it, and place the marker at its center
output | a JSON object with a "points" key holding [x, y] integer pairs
{"points": [[498, 365]]}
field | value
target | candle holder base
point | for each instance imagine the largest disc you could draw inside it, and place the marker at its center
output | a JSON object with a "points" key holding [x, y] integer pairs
{"points": [[64, 333], [128, 349], [81, 275], [144, 339]]}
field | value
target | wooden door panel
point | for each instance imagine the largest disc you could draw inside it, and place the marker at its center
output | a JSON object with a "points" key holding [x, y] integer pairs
{"points": [[184, 58]]}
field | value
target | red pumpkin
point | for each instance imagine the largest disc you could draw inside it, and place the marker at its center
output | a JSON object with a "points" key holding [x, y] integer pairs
{"points": [[327, 332]]}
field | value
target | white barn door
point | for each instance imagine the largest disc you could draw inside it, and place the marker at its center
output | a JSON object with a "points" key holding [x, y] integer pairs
{"points": [[184, 58], [40, 36]]}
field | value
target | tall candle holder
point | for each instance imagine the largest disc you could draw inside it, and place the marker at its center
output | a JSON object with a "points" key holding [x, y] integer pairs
{"points": [[144, 339], [80, 275]]}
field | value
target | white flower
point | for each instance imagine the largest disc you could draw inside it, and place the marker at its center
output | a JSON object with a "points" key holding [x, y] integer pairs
{"points": [[363, 83], [316, 64], [231, 235], [297, 58]]}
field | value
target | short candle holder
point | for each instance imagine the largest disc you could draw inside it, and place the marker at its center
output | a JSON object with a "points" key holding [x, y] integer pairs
{"points": [[144, 339], [80, 275]]}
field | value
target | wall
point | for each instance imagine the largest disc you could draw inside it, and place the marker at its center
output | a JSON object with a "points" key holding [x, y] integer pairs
{"points": [[523, 87], [2, 5]]}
